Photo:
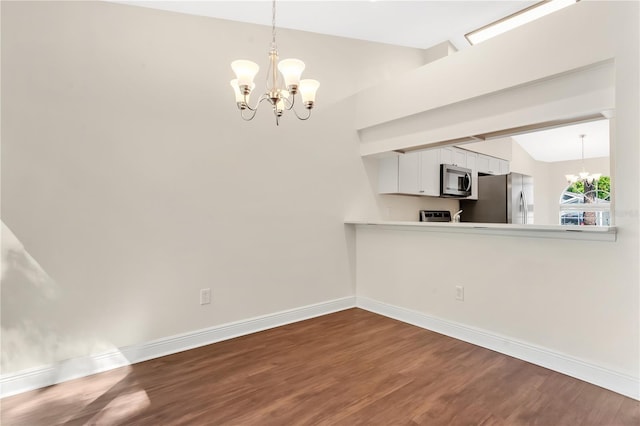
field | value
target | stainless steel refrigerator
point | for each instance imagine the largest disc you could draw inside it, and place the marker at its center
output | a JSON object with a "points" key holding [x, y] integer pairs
{"points": [[501, 199]]}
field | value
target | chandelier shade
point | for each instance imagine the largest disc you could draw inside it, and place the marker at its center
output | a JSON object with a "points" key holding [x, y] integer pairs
{"points": [[245, 71], [280, 89], [240, 97], [308, 89], [291, 70]]}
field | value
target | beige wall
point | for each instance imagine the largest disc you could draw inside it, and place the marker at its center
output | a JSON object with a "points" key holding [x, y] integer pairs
{"points": [[522, 288], [130, 182]]}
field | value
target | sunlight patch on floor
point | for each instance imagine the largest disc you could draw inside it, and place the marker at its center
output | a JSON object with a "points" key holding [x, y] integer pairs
{"points": [[107, 398]]}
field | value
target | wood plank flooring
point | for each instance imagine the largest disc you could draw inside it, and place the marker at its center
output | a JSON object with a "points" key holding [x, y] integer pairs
{"points": [[348, 368]]}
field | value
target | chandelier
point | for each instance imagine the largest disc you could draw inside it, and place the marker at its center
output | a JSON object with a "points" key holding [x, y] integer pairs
{"points": [[279, 92], [583, 175]]}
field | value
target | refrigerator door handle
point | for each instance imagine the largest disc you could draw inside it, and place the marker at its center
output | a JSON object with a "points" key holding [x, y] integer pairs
{"points": [[525, 208], [521, 207]]}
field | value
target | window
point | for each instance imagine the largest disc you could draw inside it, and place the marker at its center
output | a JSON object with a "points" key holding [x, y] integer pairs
{"points": [[582, 203]]}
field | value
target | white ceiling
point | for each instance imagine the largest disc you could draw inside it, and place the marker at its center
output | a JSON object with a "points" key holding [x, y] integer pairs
{"points": [[564, 143], [419, 24]]}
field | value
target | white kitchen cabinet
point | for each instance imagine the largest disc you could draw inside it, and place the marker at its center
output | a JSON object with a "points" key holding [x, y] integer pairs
{"points": [[430, 172], [482, 163], [452, 155], [413, 173], [492, 165], [504, 167], [409, 173], [388, 175], [419, 173]]}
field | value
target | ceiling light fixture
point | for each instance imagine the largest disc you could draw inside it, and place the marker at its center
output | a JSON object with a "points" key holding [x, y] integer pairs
{"points": [[281, 95], [583, 175], [522, 17]]}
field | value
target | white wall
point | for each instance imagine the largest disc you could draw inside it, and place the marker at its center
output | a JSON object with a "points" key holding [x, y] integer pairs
{"points": [[476, 72], [526, 288], [130, 181]]}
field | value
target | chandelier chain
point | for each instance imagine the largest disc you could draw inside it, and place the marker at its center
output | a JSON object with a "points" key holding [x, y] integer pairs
{"points": [[583, 176], [273, 24], [582, 137]]}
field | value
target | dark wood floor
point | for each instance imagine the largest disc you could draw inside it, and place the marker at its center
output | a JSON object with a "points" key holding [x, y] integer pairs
{"points": [[351, 367]]}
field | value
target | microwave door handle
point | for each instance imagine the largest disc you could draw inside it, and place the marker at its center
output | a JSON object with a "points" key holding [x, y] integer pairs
{"points": [[467, 178]]}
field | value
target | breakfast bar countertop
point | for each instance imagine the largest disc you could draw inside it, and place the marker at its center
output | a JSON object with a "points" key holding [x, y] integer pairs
{"points": [[594, 233]]}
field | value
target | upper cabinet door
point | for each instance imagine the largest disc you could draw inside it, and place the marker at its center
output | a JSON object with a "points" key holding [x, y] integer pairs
{"points": [[455, 156], [460, 158], [504, 167], [409, 173], [482, 163], [388, 175], [446, 156], [492, 165], [430, 172]]}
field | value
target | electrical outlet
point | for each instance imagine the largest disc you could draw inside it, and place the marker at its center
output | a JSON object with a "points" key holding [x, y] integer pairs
{"points": [[459, 292], [205, 296]]}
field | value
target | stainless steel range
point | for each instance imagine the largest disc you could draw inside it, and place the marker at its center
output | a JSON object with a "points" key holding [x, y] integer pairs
{"points": [[435, 216]]}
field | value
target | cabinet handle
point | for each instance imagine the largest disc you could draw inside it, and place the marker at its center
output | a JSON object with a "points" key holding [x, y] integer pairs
{"points": [[421, 191]]}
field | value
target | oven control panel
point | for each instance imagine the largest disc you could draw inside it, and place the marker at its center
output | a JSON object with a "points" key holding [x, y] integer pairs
{"points": [[435, 216]]}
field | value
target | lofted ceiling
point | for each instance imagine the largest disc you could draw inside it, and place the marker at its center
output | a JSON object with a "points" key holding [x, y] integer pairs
{"points": [[418, 24], [564, 143]]}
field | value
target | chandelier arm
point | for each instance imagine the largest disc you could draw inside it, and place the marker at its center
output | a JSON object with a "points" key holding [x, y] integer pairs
{"points": [[291, 102], [302, 118], [250, 117], [264, 97]]}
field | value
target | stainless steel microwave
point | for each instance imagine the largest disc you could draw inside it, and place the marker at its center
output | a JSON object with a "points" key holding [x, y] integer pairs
{"points": [[455, 181]]}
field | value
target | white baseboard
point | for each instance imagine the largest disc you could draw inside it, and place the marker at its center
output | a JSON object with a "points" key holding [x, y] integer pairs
{"points": [[23, 381], [14, 383], [608, 379]]}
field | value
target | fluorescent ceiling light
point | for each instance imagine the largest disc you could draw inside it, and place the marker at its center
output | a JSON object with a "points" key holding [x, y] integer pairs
{"points": [[519, 18]]}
